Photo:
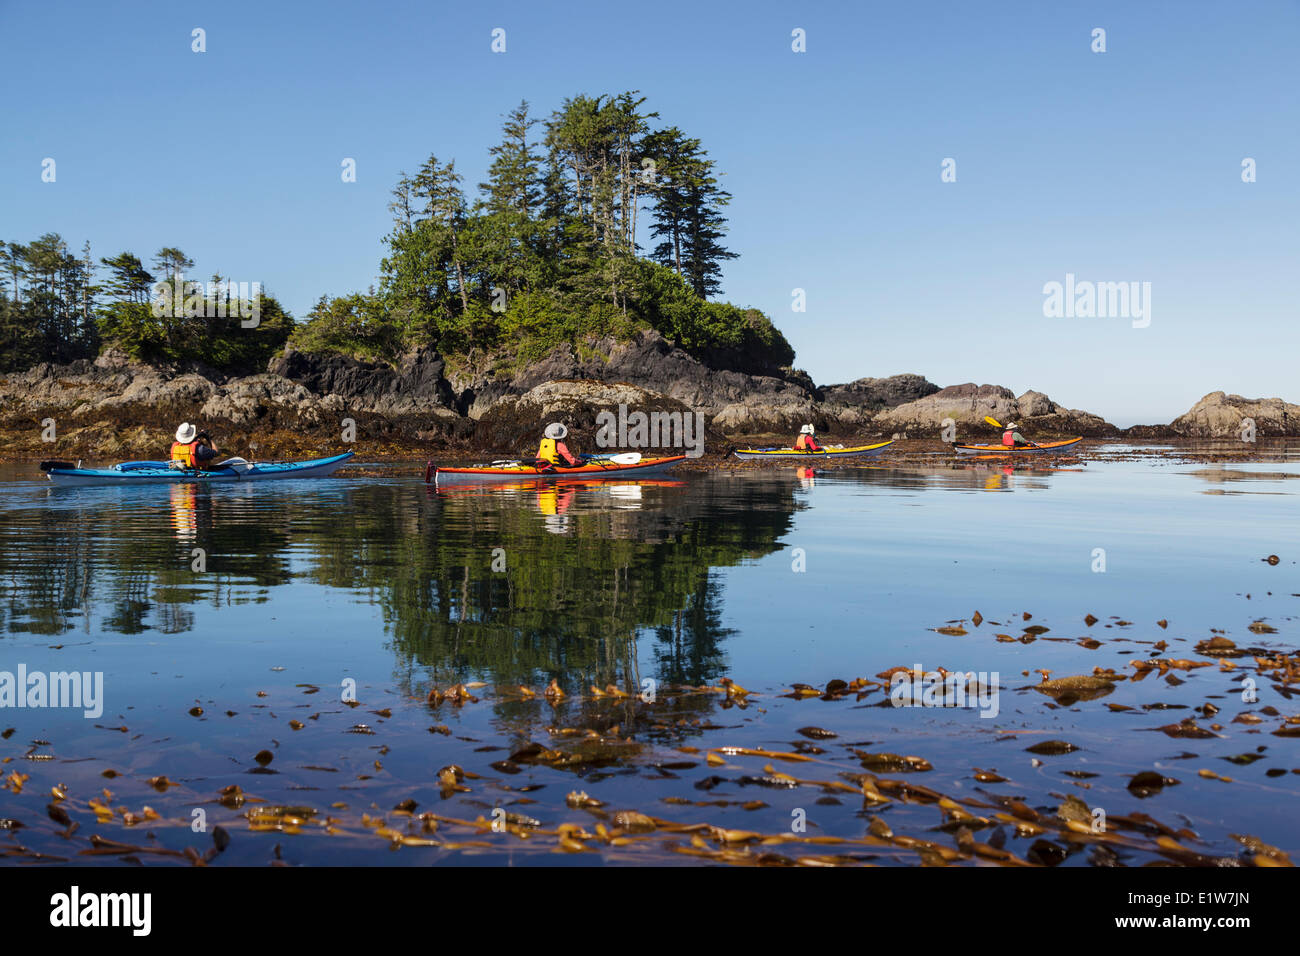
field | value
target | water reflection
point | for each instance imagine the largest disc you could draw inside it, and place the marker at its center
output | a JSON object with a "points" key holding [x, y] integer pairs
{"points": [[1220, 476], [519, 583]]}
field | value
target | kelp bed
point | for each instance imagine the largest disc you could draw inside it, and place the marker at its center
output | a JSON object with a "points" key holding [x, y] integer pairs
{"points": [[830, 774]]}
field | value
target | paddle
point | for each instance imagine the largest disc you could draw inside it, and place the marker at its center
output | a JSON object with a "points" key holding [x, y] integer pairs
{"points": [[236, 464], [627, 458], [996, 424]]}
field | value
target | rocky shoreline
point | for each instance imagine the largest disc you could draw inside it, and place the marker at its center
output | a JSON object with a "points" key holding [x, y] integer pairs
{"points": [[306, 403]]}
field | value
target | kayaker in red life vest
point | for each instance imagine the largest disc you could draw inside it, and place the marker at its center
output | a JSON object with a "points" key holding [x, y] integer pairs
{"points": [[192, 448], [552, 453], [807, 440], [1011, 437]]}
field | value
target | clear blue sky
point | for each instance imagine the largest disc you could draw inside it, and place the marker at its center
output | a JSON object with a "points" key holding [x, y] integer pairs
{"points": [[1122, 166]]}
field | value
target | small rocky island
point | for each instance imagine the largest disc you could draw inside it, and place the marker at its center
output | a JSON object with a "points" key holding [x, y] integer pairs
{"points": [[533, 300], [116, 406]]}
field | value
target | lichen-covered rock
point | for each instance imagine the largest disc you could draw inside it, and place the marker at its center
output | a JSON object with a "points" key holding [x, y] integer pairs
{"points": [[965, 404], [1219, 415], [1033, 403], [968, 405]]}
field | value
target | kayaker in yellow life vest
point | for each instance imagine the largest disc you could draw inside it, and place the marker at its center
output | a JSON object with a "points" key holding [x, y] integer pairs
{"points": [[807, 440], [192, 448], [1011, 437], [552, 451]]}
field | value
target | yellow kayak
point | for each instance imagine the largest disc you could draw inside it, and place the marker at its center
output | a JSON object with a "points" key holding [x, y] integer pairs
{"points": [[858, 450]]}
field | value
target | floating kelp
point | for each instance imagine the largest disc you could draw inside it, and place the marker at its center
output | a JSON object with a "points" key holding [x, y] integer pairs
{"points": [[1068, 690], [590, 766]]}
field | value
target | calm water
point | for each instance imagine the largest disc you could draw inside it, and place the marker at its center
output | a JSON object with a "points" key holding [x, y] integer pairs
{"points": [[768, 578]]}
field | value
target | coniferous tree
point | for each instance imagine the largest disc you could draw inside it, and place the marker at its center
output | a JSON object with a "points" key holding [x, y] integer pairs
{"points": [[512, 227], [687, 207]]}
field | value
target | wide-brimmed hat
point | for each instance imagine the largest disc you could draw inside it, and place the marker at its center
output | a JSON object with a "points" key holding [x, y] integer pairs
{"points": [[556, 431], [807, 430], [185, 434], [1011, 425]]}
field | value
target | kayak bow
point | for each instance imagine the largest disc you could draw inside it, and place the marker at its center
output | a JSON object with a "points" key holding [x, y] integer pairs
{"points": [[858, 450], [233, 469]]}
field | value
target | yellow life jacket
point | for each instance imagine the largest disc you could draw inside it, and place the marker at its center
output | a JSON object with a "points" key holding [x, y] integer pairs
{"points": [[186, 454], [546, 451]]}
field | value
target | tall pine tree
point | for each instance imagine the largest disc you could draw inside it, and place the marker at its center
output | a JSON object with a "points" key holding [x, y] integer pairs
{"points": [[687, 207]]}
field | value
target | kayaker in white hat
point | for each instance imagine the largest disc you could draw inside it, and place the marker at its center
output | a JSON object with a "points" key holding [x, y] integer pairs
{"points": [[1011, 437], [192, 448], [807, 440], [552, 452]]}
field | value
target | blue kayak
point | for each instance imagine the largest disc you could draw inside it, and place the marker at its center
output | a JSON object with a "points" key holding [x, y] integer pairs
{"points": [[160, 473]]}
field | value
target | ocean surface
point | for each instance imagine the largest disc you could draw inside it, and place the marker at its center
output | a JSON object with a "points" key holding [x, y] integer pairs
{"points": [[268, 654]]}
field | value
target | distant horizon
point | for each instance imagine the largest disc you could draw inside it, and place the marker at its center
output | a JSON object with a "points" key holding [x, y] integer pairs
{"points": [[1162, 161]]}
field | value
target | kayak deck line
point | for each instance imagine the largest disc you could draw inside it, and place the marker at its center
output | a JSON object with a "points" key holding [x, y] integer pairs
{"points": [[749, 454], [996, 450], [590, 470], [144, 473]]}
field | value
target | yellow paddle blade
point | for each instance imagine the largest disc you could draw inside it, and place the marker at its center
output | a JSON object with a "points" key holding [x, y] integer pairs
{"points": [[993, 421]]}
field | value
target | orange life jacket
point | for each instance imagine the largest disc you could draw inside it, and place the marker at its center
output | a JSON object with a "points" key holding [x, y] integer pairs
{"points": [[186, 454], [806, 443]]}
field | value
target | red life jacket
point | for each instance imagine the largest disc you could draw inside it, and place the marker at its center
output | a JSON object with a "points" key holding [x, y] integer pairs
{"points": [[1009, 438], [186, 454]]}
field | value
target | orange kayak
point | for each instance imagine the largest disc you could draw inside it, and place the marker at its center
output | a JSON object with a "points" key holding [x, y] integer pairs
{"points": [[515, 470], [1046, 447]]}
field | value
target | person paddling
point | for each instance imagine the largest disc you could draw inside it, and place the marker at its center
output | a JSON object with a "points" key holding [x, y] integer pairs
{"points": [[192, 448], [807, 440], [1011, 437], [552, 452]]}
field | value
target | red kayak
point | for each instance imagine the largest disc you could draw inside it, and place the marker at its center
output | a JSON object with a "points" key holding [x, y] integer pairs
{"points": [[515, 470]]}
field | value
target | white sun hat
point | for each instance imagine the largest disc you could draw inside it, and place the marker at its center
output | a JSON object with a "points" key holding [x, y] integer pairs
{"points": [[556, 431], [807, 430], [185, 434]]}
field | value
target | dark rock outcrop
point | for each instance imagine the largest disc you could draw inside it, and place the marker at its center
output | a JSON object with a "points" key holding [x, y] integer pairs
{"points": [[876, 394], [732, 400], [415, 385], [853, 404]]}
